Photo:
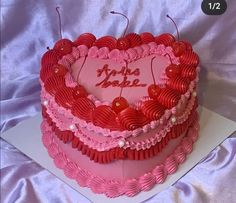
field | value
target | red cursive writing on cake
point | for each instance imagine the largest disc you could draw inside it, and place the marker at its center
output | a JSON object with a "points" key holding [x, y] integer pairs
{"points": [[109, 73]]}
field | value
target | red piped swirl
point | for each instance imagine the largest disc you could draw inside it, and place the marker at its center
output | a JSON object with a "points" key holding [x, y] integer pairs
{"points": [[134, 39], [64, 46], [83, 108], [168, 97], [189, 58], [128, 118], [64, 97], [188, 72], [152, 109], [106, 41], [85, 39], [46, 72], [53, 84], [50, 58], [166, 39], [147, 37], [105, 117], [179, 84]]}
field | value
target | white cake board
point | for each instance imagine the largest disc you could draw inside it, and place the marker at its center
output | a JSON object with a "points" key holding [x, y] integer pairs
{"points": [[27, 138]]}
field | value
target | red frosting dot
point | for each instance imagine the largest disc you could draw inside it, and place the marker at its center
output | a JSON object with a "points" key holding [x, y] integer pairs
{"points": [[173, 71], [64, 46], [154, 91], [167, 39], [119, 104], [79, 91], [85, 39]]}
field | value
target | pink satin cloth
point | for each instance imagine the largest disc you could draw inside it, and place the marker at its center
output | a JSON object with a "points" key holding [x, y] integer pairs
{"points": [[28, 27]]}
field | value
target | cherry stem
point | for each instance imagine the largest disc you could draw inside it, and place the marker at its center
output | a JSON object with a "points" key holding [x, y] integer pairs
{"points": [[174, 24], [169, 57], [81, 68], [114, 12], [48, 48], [152, 70], [59, 18], [126, 70]]}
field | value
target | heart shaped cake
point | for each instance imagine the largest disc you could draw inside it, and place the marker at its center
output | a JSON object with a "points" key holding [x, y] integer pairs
{"points": [[119, 115]]}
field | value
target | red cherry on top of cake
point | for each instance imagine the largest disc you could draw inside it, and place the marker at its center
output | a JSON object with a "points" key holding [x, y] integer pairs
{"points": [[64, 46], [119, 104]]}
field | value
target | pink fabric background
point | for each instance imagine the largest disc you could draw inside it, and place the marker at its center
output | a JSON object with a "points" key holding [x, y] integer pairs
{"points": [[29, 26]]}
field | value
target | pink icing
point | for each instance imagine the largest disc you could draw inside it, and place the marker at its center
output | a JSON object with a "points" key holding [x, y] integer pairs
{"points": [[113, 188]]}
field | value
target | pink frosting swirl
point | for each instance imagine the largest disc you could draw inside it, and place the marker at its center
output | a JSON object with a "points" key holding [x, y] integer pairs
{"points": [[187, 145], [70, 170], [69, 80], [52, 150], [60, 160], [64, 61], [139, 51], [93, 52], [132, 187], [147, 181], [70, 58], [132, 54], [83, 50], [159, 173], [97, 184], [180, 156], [114, 54], [82, 178], [75, 53], [171, 165], [103, 53], [113, 189]]}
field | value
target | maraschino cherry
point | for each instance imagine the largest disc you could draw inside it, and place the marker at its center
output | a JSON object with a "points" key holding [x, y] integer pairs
{"points": [[64, 46], [179, 47], [172, 70], [153, 90], [120, 103], [79, 90], [123, 43]]}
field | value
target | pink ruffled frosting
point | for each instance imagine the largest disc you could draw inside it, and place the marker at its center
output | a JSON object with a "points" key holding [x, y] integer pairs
{"points": [[112, 188]]}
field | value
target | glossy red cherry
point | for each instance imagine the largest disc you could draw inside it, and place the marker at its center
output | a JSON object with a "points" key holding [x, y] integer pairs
{"points": [[59, 69], [154, 91], [173, 71], [64, 46], [123, 43], [187, 45], [79, 91], [85, 39], [119, 104], [178, 48]]}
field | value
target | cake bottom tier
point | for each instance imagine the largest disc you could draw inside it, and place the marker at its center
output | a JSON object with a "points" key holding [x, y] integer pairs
{"points": [[121, 177]]}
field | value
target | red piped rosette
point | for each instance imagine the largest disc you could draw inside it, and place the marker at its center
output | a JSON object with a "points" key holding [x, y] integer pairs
{"points": [[117, 153], [128, 119]]}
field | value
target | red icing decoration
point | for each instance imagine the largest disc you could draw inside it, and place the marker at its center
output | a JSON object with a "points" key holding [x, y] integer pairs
{"points": [[83, 108], [134, 39], [147, 37], [178, 48], [179, 84], [188, 72], [85, 39], [50, 58], [106, 41], [152, 109], [123, 43], [59, 69], [64, 46], [189, 58], [119, 104], [169, 98], [120, 153], [79, 91], [173, 71], [187, 45], [105, 117], [154, 91], [54, 83], [166, 39], [46, 72], [64, 97]]}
